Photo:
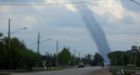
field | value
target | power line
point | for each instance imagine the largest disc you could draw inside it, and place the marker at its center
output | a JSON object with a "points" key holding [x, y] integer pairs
{"points": [[45, 4]]}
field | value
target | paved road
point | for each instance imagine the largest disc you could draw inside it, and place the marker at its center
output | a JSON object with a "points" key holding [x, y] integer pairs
{"points": [[76, 71]]}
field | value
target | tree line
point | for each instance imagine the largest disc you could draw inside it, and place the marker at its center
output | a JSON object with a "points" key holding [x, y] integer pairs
{"points": [[125, 58], [66, 58], [18, 56]]}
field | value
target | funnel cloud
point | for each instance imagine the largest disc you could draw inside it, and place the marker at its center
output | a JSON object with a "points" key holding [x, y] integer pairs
{"points": [[96, 31]]}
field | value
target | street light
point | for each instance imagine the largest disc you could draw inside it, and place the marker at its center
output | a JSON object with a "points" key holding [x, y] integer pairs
{"points": [[9, 36], [39, 42], [24, 28], [9, 31]]}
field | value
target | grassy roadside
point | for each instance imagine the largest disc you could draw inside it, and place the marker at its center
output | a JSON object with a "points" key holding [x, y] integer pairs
{"points": [[9, 72], [4, 73], [127, 70], [103, 71]]}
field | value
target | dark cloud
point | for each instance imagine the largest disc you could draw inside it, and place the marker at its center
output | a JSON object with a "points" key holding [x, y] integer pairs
{"points": [[130, 5]]}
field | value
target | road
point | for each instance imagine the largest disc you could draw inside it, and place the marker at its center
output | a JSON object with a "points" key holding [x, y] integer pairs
{"points": [[75, 71]]}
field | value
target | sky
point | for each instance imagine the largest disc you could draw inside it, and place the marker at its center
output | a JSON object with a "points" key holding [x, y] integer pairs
{"points": [[120, 20]]}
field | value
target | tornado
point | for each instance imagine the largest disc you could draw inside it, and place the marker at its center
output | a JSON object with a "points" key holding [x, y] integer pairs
{"points": [[95, 29]]}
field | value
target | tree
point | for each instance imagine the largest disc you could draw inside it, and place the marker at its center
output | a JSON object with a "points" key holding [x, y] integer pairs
{"points": [[17, 56], [87, 59], [137, 59], [48, 59], [64, 57], [98, 59], [1, 34], [118, 58]]}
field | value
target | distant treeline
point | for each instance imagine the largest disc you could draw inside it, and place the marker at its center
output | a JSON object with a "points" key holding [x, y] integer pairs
{"points": [[66, 58], [125, 58]]}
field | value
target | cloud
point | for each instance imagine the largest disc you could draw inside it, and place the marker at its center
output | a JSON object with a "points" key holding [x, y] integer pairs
{"points": [[63, 22], [5, 9], [131, 5], [122, 37], [70, 7], [110, 8], [25, 20], [123, 41]]}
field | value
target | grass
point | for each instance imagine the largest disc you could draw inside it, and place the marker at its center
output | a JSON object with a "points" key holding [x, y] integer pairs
{"points": [[118, 70], [4, 73], [103, 71], [35, 70], [7, 72]]}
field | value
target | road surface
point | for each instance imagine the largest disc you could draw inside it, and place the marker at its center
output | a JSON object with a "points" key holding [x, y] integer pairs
{"points": [[75, 71]]}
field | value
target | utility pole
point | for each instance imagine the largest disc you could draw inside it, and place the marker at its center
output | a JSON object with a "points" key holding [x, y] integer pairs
{"points": [[9, 31], [9, 27], [56, 46], [57, 63], [75, 57], [9, 43], [38, 44], [79, 55], [75, 52]]}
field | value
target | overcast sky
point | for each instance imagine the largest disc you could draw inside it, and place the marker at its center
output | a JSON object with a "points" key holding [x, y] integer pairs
{"points": [[120, 20]]}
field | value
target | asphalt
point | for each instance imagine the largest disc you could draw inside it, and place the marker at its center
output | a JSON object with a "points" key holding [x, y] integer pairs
{"points": [[73, 71]]}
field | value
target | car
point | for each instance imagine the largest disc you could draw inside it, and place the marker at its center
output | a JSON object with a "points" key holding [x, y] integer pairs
{"points": [[81, 65]]}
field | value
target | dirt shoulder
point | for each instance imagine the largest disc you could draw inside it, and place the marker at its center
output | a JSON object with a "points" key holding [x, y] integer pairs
{"points": [[104, 71]]}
